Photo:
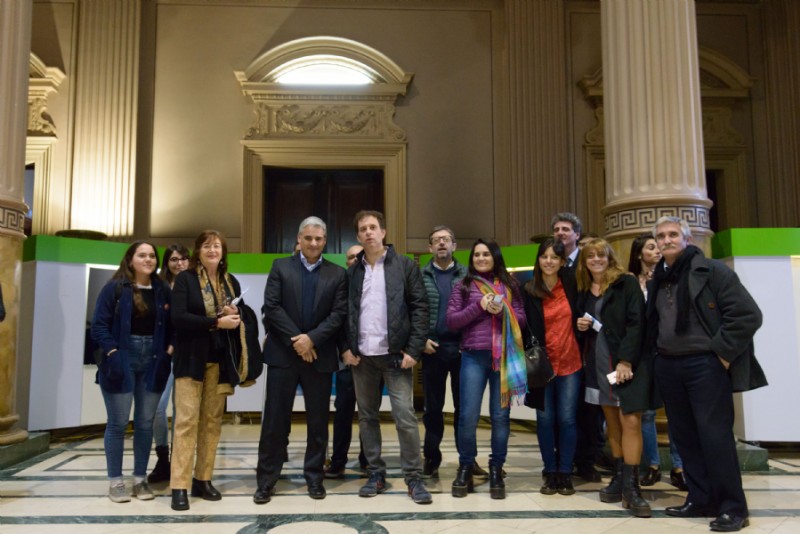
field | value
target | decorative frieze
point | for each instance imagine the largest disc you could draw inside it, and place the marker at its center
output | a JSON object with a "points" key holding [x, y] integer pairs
{"points": [[634, 219]]}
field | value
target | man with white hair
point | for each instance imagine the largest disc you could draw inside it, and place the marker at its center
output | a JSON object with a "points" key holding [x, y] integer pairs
{"points": [[305, 305]]}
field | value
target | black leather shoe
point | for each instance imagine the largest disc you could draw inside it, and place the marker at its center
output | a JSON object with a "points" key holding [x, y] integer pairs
{"points": [[334, 471], [729, 523], [316, 491], [262, 495], [204, 489], [687, 509], [180, 501], [677, 479]]}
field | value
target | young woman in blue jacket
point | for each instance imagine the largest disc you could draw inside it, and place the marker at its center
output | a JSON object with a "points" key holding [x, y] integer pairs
{"points": [[131, 324]]}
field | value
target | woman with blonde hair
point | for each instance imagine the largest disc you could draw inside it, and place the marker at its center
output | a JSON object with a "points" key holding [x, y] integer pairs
{"points": [[202, 365], [610, 311]]}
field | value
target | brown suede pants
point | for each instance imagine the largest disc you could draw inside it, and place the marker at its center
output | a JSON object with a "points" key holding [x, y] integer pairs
{"points": [[198, 425]]}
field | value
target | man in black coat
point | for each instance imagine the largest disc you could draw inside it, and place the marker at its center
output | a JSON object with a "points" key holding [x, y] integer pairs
{"points": [[305, 305], [700, 323]]}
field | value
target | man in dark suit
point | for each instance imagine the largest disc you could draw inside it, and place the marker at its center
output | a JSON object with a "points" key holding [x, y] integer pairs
{"points": [[305, 305]]}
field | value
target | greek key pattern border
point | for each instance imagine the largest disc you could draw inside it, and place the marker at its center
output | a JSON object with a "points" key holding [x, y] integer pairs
{"points": [[645, 217], [11, 220]]}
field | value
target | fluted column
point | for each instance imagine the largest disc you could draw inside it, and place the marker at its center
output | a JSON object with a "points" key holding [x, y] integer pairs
{"points": [[15, 41], [104, 169], [653, 122], [539, 182], [782, 19]]}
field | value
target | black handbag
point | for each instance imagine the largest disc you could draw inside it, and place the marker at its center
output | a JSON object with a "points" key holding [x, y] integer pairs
{"points": [[540, 371]]}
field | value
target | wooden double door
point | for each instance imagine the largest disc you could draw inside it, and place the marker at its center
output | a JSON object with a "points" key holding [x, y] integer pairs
{"points": [[333, 195]]}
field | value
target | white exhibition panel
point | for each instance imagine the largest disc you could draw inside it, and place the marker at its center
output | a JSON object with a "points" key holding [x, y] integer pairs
{"points": [[766, 413]]}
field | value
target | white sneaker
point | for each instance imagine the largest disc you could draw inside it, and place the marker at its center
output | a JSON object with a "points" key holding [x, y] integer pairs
{"points": [[143, 492], [118, 493]]}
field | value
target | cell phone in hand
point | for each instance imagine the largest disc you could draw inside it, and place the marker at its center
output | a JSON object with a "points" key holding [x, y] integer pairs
{"points": [[498, 299], [612, 377]]}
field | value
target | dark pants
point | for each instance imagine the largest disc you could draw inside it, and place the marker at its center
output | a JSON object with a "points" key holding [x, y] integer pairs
{"points": [[281, 389], [435, 368], [590, 441], [698, 397], [345, 405]]}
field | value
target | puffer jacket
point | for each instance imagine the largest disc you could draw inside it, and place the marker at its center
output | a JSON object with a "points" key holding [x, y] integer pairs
{"points": [[406, 302], [466, 315]]}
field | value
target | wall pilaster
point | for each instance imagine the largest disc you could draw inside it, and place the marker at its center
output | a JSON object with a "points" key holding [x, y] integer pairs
{"points": [[104, 165]]}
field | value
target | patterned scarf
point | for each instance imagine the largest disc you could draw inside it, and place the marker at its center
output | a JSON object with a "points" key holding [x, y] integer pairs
{"points": [[508, 356], [213, 298]]}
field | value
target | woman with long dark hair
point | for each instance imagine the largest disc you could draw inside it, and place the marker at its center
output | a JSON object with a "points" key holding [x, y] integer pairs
{"points": [[131, 324], [204, 371], [610, 312], [176, 260], [487, 307], [549, 304]]}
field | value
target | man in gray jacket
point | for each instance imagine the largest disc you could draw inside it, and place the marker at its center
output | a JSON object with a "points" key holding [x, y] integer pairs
{"points": [[700, 323], [386, 329]]}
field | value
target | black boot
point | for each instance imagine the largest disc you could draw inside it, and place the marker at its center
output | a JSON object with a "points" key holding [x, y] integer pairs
{"points": [[161, 470], [180, 501], [206, 490], [497, 486], [550, 485], [631, 493], [463, 483], [613, 492]]}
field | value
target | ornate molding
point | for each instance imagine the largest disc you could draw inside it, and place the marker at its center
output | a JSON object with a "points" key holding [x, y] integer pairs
{"points": [[632, 220], [43, 81], [12, 218]]}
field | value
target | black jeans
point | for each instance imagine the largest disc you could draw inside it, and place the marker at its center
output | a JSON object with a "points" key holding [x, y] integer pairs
{"points": [[435, 368], [698, 397]]}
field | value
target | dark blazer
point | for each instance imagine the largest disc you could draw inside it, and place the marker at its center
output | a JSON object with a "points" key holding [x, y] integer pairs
{"points": [[194, 330], [728, 314], [283, 308], [622, 316], [534, 312]]}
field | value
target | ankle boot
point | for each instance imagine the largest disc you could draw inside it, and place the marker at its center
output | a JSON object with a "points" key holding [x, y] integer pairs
{"points": [[497, 487], [463, 483], [161, 470], [180, 501], [206, 490], [613, 492], [631, 493]]}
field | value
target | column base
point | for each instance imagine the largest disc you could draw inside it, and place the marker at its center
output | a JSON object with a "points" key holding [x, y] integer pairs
{"points": [[34, 444]]}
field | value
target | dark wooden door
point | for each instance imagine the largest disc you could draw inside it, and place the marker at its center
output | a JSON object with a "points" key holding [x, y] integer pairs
{"points": [[334, 195]]}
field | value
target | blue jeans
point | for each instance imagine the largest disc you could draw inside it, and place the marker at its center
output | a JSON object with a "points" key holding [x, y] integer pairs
{"points": [[118, 409], [650, 442], [476, 371], [399, 384], [559, 418], [160, 423]]}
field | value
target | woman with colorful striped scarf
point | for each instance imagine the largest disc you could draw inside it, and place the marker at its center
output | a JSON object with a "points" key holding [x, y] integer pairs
{"points": [[487, 307]]}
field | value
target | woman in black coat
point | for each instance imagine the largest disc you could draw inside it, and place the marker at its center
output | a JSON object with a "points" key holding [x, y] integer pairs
{"points": [[611, 318], [203, 366]]}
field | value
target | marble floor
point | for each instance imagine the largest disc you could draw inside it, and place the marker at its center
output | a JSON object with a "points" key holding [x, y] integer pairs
{"points": [[64, 491]]}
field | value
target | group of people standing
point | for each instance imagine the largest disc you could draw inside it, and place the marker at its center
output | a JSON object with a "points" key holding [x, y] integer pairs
{"points": [[685, 325]]}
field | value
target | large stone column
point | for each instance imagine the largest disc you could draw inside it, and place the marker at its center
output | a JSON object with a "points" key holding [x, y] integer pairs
{"points": [[653, 121], [538, 182], [15, 43], [104, 169]]}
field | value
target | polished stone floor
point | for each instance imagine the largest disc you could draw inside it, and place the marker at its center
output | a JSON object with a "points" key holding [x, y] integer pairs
{"points": [[64, 491]]}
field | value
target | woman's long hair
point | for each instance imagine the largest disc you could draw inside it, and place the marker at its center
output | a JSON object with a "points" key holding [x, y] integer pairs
{"points": [[635, 262], [601, 248], [499, 271], [536, 286], [125, 272], [175, 249], [204, 236]]}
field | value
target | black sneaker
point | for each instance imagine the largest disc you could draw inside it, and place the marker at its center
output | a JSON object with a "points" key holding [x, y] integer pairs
{"points": [[564, 481], [334, 471], [418, 492], [375, 485], [429, 470]]}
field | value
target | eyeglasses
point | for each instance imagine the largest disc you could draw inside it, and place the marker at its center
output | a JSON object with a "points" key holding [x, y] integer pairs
{"points": [[442, 239], [176, 259]]}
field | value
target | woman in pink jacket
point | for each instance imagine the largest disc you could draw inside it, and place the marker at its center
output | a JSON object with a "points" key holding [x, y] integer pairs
{"points": [[487, 307]]}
